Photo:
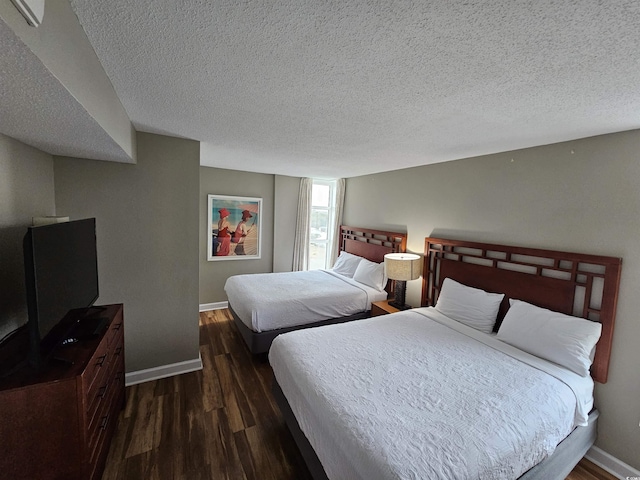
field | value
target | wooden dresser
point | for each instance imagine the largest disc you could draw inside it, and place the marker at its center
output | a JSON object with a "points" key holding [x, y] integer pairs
{"points": [[57, 422]]}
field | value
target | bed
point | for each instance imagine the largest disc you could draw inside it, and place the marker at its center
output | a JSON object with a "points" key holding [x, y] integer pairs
{"points": [[265, 305], [419, 394]]}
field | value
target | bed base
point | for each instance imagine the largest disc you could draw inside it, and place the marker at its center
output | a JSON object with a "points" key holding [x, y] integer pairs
{"points": [[555, 467], [568, 452], [308, 453], [364, 242], [260, 342]]}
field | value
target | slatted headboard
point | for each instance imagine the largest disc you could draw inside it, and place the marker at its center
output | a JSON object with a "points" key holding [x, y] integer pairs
{"points": [[573, 283], [371, 244]]}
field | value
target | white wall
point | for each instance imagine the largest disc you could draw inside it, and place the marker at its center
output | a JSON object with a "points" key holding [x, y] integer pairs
{"points": [[581, 196]]}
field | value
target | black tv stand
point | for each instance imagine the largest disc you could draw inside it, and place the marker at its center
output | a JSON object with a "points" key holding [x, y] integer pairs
{"points": [[63, 361], [89, 327], [100, 308]]}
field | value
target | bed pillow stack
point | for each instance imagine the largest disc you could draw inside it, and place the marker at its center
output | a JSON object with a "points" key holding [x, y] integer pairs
{"points": [[472, 306], [371, 274], [562, 339], [346, 264]]}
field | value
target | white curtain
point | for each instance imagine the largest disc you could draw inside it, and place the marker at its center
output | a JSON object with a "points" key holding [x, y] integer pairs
{"points": [[301, 242], [337, 220]]}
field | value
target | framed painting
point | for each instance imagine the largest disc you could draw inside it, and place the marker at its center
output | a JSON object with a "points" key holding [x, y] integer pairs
{"points": [[234, 227]]}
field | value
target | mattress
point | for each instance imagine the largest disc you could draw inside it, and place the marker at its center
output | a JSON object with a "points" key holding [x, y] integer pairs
{"points": [[417, 395], [269, 301]]}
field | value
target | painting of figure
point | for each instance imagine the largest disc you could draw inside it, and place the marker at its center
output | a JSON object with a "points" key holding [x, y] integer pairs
{"points": [[234, 227]]}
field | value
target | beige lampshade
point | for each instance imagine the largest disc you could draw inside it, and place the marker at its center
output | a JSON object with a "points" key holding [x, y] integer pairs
{"points": [[403, 266]]}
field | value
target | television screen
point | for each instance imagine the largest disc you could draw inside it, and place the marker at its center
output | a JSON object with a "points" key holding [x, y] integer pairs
{"points": [[61, 271]]}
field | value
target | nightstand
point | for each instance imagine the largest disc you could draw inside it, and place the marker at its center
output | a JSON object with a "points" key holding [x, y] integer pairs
{"points": [[382, 308]]}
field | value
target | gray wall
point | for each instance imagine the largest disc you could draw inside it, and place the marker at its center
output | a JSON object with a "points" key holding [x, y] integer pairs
{"points": [[580, 196], [26, 190], [218, 181], [286, 212], [147, 229]]}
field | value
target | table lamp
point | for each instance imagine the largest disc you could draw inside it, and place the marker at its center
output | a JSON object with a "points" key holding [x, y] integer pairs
{"points": [[402, 267]]}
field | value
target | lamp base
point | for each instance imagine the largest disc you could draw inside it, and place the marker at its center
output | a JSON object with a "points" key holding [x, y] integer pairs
{"points": [[404, 306], [400, 294]]}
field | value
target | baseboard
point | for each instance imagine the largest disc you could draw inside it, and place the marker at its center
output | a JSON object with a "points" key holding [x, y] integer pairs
{"points": [[611, 464], [205, 307], [164, 371]]}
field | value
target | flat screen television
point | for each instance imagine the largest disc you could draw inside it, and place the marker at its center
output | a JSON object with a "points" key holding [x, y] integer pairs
{"points": [[61, 274]]}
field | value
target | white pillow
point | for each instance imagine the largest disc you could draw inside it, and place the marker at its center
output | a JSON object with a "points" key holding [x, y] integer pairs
{"points": [[468, 305], [559, 338], [371, 273], [346, 264]]}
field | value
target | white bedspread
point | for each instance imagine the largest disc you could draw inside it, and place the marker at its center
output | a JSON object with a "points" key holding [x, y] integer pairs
{"points": [[406, 396], [268, 301]]}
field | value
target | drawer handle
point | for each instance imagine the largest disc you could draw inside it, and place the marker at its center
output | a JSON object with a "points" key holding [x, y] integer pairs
{"points": [[117, 326], [118, 351], [102, 391], [100, 360], [103, 422]]}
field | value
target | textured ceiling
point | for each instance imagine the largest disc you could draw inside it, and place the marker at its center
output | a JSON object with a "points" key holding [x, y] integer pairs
{"points": [[36, 109], [344, 88]]}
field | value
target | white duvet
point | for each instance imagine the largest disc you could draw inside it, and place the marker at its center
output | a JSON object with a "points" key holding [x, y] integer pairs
{"points": [[408, 396], [269, 301]]}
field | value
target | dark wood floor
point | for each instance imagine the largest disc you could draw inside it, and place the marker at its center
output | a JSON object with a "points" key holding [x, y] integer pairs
{"points": [[218, 423]]}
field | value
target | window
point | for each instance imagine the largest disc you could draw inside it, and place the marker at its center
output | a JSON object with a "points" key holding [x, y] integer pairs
{"points": [[321, 235]]}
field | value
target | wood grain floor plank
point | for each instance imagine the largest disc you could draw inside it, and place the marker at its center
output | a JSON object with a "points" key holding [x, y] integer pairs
{"points": [[193, 433], [131, 406], [244, 453], [146, 422], [255, 388], [215, 448], [211, 391], [241, 395], [166, 386], [140, 466], [169, 456], [212, 331], [586, 470], [229, 458], [277, 459], [253, 372], [228, 392], [221, 423], [114, 467]]}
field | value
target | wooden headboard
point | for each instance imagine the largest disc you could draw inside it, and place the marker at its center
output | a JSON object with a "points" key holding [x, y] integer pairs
{"points": [[573, 283], [372, 244]]}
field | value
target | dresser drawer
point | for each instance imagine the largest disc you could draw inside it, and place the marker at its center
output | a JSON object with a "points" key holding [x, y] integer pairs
{"points": [[102, 390], [115, 331], [96, 367], [100, 366], [104, 402]]}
